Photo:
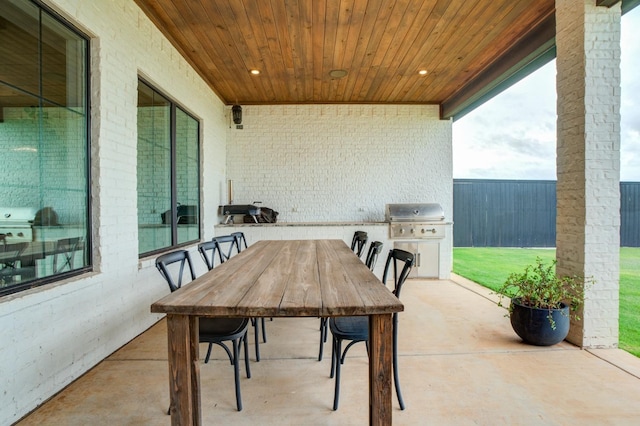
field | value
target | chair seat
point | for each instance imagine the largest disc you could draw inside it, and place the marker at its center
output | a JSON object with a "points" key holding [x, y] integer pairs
{"points": [[222, 328], [350, 328]]}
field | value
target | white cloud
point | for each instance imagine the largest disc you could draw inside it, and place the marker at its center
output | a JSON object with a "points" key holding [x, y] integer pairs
{"points": [[513, 136]]}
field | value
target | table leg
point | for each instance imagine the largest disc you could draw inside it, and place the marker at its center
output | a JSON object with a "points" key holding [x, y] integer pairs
{"points": [[184, 370], [380, 368]]}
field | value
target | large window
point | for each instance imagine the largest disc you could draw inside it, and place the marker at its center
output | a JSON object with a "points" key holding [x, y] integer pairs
{"points": [[44, 163], [168, 173]]}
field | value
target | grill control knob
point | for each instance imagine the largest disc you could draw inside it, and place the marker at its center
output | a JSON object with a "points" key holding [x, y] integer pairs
{"points": [[413, 231], [401, 231]]}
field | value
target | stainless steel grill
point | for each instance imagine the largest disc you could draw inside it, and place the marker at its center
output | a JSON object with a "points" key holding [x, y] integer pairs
{"points": [[16, 224], [421, 228], [415, 221]]}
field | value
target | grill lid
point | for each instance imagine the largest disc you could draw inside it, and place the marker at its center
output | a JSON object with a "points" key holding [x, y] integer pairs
{"points": [[414, 212], [233, 209]]}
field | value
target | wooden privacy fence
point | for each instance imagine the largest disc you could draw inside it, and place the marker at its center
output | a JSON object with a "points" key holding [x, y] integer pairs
{"points": [[522, 213]]}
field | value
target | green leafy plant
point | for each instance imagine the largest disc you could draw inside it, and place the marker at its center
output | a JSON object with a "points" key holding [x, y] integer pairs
{"points": [[538, 286]]}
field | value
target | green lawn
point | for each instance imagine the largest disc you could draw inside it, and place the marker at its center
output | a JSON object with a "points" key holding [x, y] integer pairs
{"points": [[491, 266]]}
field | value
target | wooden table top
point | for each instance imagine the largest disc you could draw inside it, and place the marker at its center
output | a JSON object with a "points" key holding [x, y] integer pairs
{"points": [[284, 279]]}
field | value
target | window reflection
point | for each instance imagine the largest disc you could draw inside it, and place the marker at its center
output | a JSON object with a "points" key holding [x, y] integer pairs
{"points": [[168, 173], [44, 180]]}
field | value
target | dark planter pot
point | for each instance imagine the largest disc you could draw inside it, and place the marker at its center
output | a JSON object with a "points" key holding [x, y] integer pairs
{"points": [[533, 326]]}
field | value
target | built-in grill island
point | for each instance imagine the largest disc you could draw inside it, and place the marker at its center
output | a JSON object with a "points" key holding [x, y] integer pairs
{"points": [[422, 228]]}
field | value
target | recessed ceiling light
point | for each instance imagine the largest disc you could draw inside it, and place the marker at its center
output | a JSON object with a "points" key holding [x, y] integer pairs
{"points": [[338, 73], [423, 72], [255, 72]]}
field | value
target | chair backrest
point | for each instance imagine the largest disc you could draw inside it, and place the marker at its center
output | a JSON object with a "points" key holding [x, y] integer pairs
{"points": [[398, 258], [226, 245], [240, 240], [372, 256], [66, 247], [172, 268], [208, 251], [358, 242]]}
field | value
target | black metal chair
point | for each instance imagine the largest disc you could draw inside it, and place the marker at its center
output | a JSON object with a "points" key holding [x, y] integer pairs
{"points": [[356, 329], [212, 330], [227, 244], [240, 240], [372, 257], [358, 242], [208, 251]]}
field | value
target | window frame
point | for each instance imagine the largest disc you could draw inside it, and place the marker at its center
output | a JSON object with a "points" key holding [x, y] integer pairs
{"points": [[173, 107], [44, 9]]}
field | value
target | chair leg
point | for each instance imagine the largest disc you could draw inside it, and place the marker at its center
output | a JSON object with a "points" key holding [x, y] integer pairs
{"points": [[246, 356], [236, 373], [256, 333], [333, 357], [396, 380], [325, 327], [323, 336], [396, 376], [336, 355], [206, 359], [264, 331]]}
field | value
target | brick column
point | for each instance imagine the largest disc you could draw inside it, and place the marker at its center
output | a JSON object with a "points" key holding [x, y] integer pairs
{"points": [[588, 162]]}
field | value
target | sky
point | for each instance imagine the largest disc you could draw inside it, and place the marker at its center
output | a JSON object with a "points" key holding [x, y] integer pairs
{"points": [[513, 135]]}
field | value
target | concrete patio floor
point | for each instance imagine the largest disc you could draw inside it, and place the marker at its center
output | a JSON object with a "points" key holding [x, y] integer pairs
{"points": [[460, 364]]}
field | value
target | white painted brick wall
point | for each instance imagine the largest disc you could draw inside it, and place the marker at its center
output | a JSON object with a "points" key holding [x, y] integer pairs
{"points": [[328, 163], [53, 334], [341, 163], [588, 63]]}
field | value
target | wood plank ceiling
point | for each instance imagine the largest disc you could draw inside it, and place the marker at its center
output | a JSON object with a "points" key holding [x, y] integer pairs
{"points": [[381, 44]]}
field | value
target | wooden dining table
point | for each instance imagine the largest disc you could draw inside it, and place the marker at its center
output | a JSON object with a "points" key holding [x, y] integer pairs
{"points": [[280, 278]]}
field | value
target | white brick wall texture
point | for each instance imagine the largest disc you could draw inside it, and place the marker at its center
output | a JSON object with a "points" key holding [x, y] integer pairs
{"points": [[329, 163], [340, 164], [588, 64], [53, 334]]}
